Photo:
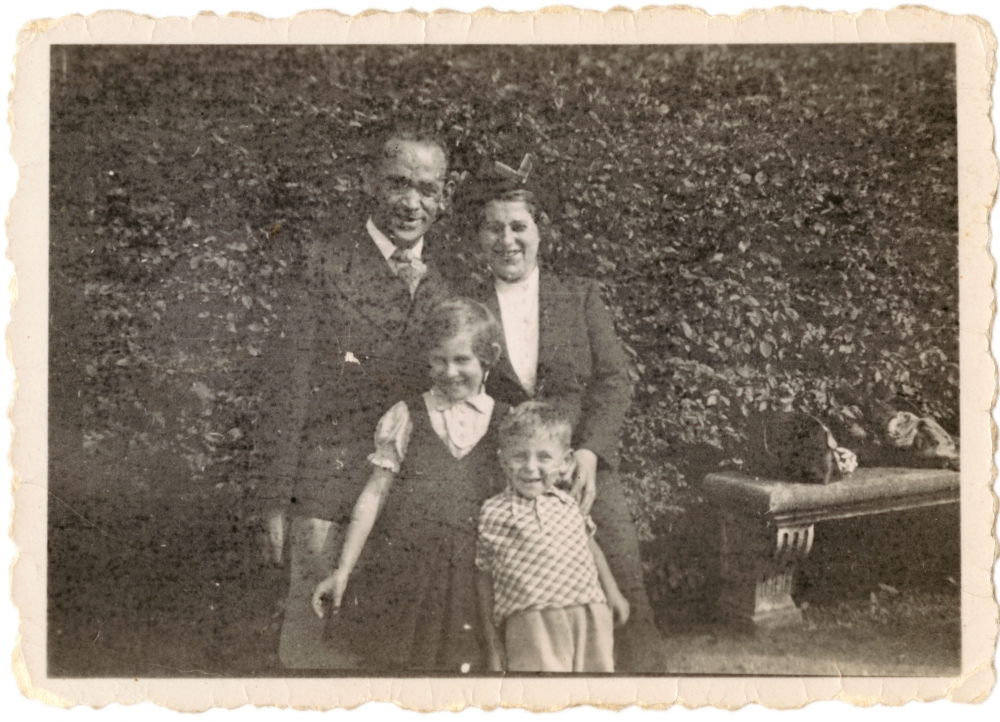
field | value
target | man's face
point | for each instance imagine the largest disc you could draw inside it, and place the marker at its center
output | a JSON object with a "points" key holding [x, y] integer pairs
{"points": [[410, 189]]}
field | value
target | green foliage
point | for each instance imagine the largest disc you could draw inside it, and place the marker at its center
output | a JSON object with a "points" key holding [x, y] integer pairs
{"points": [[775, 227]]}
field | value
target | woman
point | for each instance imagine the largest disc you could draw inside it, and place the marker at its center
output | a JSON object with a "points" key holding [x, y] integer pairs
{"points": [[561, 347]]}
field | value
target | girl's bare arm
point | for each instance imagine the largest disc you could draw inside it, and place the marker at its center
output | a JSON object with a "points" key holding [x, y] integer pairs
{"points": [[363, 518]]}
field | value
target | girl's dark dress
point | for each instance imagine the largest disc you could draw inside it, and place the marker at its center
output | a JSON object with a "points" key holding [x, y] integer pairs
{"points": [[411, 603]]}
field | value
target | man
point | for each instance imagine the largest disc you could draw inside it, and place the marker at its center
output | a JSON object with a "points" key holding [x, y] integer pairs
{"points": [[367, 287]]}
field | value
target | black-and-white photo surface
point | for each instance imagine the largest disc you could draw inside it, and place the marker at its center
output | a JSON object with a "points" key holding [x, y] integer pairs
{"points": [[471, 360]]}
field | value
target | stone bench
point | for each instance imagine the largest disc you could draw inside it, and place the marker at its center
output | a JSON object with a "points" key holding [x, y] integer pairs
{"points": [[768, 527]]}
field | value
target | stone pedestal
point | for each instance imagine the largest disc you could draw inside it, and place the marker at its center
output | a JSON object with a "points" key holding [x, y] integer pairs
{"points": [[768, 527], [758, 569]]}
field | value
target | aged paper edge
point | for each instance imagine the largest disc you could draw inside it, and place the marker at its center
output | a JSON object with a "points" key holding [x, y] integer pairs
{"points": [[28, 348]]}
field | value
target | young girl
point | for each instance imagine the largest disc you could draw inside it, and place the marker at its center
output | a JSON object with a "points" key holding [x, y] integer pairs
{"points": [[412, 603]]}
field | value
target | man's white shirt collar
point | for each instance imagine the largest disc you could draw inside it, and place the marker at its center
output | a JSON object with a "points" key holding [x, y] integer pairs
{"points": [[387, 247]]}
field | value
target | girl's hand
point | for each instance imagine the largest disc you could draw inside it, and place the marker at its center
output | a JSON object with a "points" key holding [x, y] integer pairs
{"points": [[334, 587], [619, 607]]}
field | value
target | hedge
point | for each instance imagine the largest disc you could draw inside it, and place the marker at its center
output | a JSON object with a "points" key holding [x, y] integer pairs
{"points": [[774, 227]]}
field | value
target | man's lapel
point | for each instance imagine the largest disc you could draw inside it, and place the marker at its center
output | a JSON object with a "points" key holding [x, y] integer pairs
{"points": [[433, 288], [357, 272]]}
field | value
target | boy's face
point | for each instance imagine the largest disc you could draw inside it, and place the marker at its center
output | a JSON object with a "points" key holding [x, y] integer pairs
{"points": [[410, 189], [534, 464]]}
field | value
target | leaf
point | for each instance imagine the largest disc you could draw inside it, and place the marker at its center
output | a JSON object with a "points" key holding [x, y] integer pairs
{"points": [[766, 349], [202, 391], [688, 331]]}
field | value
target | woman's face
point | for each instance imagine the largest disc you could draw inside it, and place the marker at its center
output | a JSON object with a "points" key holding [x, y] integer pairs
{"points": [[509, 238], [456, 371]]}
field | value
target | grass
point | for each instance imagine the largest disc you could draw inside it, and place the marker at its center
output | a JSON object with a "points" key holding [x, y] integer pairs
{"points": [[912, 633], [177, 590]]}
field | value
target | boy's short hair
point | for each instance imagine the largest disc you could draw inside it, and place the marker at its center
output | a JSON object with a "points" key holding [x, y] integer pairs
{"points": [[460, 315], [534, 417]]}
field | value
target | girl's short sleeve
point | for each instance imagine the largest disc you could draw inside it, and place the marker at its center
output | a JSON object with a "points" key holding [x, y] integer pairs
{"points": [[392, 436]]}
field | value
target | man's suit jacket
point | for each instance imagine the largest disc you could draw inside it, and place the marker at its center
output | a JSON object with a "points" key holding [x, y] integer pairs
{"points": [[348, 354], [581, 364]]}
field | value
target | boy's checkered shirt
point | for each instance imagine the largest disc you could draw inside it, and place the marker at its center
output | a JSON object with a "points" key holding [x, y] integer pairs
{"points": [[537, 553]]}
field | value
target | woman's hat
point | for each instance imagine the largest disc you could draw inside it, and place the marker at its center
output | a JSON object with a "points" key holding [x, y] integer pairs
{"points": [[521, 174], [495, 180]]}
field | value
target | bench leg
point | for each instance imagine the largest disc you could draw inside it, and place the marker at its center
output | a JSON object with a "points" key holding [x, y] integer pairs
{"points": [[758, 570]]}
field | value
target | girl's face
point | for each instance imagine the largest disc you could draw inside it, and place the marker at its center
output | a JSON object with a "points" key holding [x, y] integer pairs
{"points": [[509, 238], [455, 370]]}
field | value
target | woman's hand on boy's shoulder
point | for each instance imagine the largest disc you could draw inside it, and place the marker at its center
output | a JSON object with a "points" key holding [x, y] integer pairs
{"points": [[333, 587]]}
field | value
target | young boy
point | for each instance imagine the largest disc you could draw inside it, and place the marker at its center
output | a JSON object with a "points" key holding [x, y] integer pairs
{"points": [[548, 599]]}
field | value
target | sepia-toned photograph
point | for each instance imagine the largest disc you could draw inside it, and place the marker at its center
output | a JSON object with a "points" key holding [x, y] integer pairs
{"points": [[450, 360]]}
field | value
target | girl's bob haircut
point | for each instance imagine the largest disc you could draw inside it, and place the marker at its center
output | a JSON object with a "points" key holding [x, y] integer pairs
{"points": [[456, 316]]}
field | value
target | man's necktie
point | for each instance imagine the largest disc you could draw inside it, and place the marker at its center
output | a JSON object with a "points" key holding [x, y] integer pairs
{"points": [[410, 269]]}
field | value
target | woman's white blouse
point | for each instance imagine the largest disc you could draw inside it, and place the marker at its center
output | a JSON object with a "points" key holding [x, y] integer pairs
{"points": [[519, 317], [459, 425]]}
